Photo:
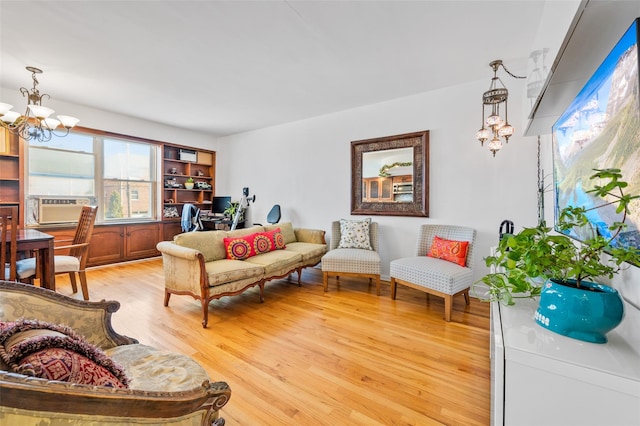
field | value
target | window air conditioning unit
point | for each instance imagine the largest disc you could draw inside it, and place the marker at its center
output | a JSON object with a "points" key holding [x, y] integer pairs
{"points": [[188, 155], [60, 210]]}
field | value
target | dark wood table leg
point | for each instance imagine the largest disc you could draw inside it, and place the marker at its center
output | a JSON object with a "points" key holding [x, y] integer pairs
{"points": [[48, 278]]}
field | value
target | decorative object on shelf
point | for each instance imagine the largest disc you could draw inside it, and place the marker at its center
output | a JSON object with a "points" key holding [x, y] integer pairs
{"points": [[173, 171], [200, 173], [538, 262], [202, 185], [170, 211], [35, 124], [496, 127], [189, 183], [171, 183]]}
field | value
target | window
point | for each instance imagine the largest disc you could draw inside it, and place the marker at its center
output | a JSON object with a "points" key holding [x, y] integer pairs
{"points": [[127, 170], [115, 172], [63, 166]]}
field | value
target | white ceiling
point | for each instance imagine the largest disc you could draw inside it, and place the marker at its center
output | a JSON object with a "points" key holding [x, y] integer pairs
{"points": [[223, 67]]}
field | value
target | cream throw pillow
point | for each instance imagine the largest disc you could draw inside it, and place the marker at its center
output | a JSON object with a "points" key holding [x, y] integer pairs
{"points": [[355, 234]]}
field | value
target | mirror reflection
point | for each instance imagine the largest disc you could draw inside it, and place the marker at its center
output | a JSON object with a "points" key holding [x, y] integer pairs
{"points": [[387, 176]]}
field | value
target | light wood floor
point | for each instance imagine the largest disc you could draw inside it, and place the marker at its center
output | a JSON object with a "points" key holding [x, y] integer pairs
{"points": [[306, 357]]}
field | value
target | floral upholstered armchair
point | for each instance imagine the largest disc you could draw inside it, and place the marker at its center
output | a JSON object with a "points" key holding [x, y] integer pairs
{"points": [[62, 363]]}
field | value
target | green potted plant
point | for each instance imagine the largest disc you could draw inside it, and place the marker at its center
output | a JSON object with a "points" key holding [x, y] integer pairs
{"points": [[188, 184], [540, 262], [231, 210]]}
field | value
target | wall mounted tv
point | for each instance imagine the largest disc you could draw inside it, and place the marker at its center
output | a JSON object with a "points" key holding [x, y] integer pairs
{"points": [[601, 129]]}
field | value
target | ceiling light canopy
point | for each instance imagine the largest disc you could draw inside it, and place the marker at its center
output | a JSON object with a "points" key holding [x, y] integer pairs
{"points": [[495, 128], [35, 123]]}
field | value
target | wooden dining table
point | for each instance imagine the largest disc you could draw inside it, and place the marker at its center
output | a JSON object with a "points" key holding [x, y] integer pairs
{"points": [[29, 240]]}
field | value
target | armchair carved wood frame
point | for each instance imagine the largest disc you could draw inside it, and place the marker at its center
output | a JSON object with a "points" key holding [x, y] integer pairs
{"points": [[26, 397]]}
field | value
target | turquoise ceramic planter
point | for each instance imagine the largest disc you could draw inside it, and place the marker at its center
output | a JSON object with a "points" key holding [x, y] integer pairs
{"points": [[587, 313]]}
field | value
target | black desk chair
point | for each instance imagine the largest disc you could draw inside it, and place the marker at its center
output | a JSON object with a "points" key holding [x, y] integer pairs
{"points": [[273, 216]]}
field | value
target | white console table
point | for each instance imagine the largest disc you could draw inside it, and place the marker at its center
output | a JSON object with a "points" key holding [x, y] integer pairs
{"points": [[541, 378]]}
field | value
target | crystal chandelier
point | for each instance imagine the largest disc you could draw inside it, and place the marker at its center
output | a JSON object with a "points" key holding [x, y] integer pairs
{"points": [[495, 127], [35, 124]]}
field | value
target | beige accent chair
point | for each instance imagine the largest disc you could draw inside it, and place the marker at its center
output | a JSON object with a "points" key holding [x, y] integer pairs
{"points": [[75, 261], [353, 262], [436, 276], [165, 388]]}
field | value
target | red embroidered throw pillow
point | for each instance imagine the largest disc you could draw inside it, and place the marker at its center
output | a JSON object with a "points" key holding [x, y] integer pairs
{"points": [[240, 248], [56, 352], [69, 366], [277, 239], [450, 250], [263, 243]]}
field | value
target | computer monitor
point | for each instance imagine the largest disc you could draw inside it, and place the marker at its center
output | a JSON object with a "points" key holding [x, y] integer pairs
{"points": [[220, 204]]}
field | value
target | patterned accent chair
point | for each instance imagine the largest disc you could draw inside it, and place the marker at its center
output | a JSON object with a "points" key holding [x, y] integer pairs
{"points": [[432, 275], [352, 261]]}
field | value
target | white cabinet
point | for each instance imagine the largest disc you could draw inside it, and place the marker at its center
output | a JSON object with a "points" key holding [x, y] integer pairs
{"points": [[542, 378]]}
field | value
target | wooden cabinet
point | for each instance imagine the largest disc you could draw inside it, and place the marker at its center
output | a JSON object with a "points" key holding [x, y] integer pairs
{"points": [[179, 164], [107, 245], [141, 240], [11, 168], [116, 243], [377, 189]]}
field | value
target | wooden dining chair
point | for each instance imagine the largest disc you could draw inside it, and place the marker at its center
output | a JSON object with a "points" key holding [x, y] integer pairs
{"points": [[72, 263], [8, 245]]}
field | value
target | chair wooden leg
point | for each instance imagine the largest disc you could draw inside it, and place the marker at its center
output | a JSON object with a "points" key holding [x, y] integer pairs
{"points": [[466, 297], [72, 278], [448, 302], [205, 310], [325, 281], [394, 286], [83, 284], [167, 296]]}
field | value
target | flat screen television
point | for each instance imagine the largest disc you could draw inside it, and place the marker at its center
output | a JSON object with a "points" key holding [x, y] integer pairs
{"points": [[601, 129], [220, 204]]}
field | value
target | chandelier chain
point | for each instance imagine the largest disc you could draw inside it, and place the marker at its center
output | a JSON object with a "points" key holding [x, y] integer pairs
{"points": [[511, 74], [540, 188]]}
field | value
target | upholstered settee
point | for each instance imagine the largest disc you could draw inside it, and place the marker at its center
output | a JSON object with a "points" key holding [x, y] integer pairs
{"points": [[211, 264], [158, 387]]}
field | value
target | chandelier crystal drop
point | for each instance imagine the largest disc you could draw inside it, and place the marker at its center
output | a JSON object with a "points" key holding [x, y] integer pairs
{"points": [[494, 127], [36, 123]]}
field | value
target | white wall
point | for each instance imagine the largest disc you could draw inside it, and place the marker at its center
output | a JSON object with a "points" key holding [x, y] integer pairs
{"points": [[116, 123], [305, 167]]}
